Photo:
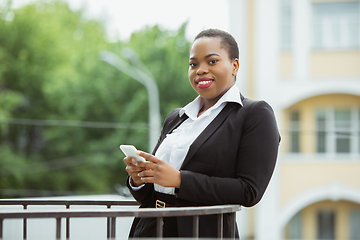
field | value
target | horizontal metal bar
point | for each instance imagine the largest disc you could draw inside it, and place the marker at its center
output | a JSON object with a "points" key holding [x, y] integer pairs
{"points": [[144, 212], [67, 202]]}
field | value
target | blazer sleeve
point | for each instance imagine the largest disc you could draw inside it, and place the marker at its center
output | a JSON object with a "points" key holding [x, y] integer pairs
{"points": [[144, 195], [255, 163]]}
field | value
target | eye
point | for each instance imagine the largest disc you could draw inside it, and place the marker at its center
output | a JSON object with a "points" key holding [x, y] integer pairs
{"points": [[212, 62], [192, 64]]}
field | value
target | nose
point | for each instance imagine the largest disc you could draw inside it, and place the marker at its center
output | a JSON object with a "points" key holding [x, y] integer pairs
{"points": [[202, 69]]}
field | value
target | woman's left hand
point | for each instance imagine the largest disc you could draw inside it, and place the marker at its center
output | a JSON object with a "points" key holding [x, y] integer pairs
{"points": [[158, 171]]}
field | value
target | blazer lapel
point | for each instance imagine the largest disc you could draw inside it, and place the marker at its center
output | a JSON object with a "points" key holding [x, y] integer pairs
{"points": [[208, 131], [176, 122]]}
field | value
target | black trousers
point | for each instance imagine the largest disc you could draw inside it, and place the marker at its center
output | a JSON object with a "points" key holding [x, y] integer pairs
{"points": [[146, 227]]}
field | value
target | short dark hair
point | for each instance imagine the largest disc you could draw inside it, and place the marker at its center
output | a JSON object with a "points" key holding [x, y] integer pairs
{"points": [[227, 41]]}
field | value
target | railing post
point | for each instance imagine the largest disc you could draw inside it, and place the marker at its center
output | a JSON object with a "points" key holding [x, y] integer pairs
{"points": [[67, 224], [58, 228], [220, 226], [24, 225], [1, 229], [159, 227], [232, 225], [113, 227], [196, 226], [108, 225]]}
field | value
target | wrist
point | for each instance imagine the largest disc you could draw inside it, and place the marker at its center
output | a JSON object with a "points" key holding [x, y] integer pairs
{"points": [[178, 181], [135, 183]]}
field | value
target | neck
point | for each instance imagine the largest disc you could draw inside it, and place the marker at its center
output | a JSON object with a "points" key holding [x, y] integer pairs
{"points": [[206, 105]]}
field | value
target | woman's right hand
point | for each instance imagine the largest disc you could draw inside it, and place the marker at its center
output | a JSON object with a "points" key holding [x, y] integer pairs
{"points": [[133, 171]]}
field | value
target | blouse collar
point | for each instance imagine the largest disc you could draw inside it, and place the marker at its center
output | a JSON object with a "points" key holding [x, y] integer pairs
{"points": [[192, 109]]}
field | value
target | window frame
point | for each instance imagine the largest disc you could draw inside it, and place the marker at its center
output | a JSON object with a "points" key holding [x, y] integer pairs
{"points": [[331, 132], [324, 25]]}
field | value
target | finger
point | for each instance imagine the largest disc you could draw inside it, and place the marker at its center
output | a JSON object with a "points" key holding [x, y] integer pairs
{"points": [[129, 160], [133, 169], [147, 165], [148, 156], [146, 173], [141, 164], [148, 179]]}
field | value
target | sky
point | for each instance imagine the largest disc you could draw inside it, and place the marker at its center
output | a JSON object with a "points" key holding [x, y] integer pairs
{"points": [[122, 17]]}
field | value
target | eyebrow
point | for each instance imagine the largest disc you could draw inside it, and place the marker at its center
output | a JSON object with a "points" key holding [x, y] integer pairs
{"points": [[207, 56]]}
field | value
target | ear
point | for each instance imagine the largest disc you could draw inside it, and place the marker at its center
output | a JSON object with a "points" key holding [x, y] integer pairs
{"points": [[235, 66]]}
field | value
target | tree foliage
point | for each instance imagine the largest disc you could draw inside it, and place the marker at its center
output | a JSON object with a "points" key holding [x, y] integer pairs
{"points": [[50, 70]]}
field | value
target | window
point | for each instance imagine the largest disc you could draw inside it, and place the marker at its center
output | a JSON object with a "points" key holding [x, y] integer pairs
{"points": [[286, 24], [321, 130], [326, 225], [358, 130], [295, 227], [354, 225], [335, 25], [342, 130], [294, 131], [337, 130]]}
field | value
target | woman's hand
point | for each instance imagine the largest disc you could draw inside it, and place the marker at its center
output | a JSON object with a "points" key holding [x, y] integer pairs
{"points": [[133, 170], [158, 171]]}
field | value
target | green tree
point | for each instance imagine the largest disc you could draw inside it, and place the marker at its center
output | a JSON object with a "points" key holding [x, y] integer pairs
{"points": [[50, 70]]}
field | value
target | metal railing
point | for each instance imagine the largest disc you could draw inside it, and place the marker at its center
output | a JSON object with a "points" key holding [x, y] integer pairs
{"points": [[112, 214]]}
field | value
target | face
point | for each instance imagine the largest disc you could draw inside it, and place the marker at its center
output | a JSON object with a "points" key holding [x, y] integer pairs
{"points": [[211, 72]]}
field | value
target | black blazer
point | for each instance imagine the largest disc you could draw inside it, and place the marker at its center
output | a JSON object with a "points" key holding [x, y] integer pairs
{"points": [[230, 162]]}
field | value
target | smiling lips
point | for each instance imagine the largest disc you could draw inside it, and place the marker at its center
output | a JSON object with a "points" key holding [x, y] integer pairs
{"points": [[203, 83]]}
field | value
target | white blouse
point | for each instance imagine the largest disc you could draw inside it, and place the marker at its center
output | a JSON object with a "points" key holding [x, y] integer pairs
{"points": [[175, 146]]}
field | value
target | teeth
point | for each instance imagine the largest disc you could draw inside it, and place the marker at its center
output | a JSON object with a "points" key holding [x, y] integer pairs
{"points": [[204, 82]]}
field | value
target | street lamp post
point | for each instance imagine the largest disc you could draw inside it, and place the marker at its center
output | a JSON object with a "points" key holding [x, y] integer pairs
{"points": [[150, 85]]}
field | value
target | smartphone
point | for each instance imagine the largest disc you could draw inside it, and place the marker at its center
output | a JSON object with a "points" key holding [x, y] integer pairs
{"points": [[130, 151]]}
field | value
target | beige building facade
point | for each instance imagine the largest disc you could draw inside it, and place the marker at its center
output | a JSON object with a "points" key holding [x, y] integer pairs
{"points": [[303, 57]]}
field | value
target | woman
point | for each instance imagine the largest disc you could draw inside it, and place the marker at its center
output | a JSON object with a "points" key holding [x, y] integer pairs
{"points": [[219, 149]]}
